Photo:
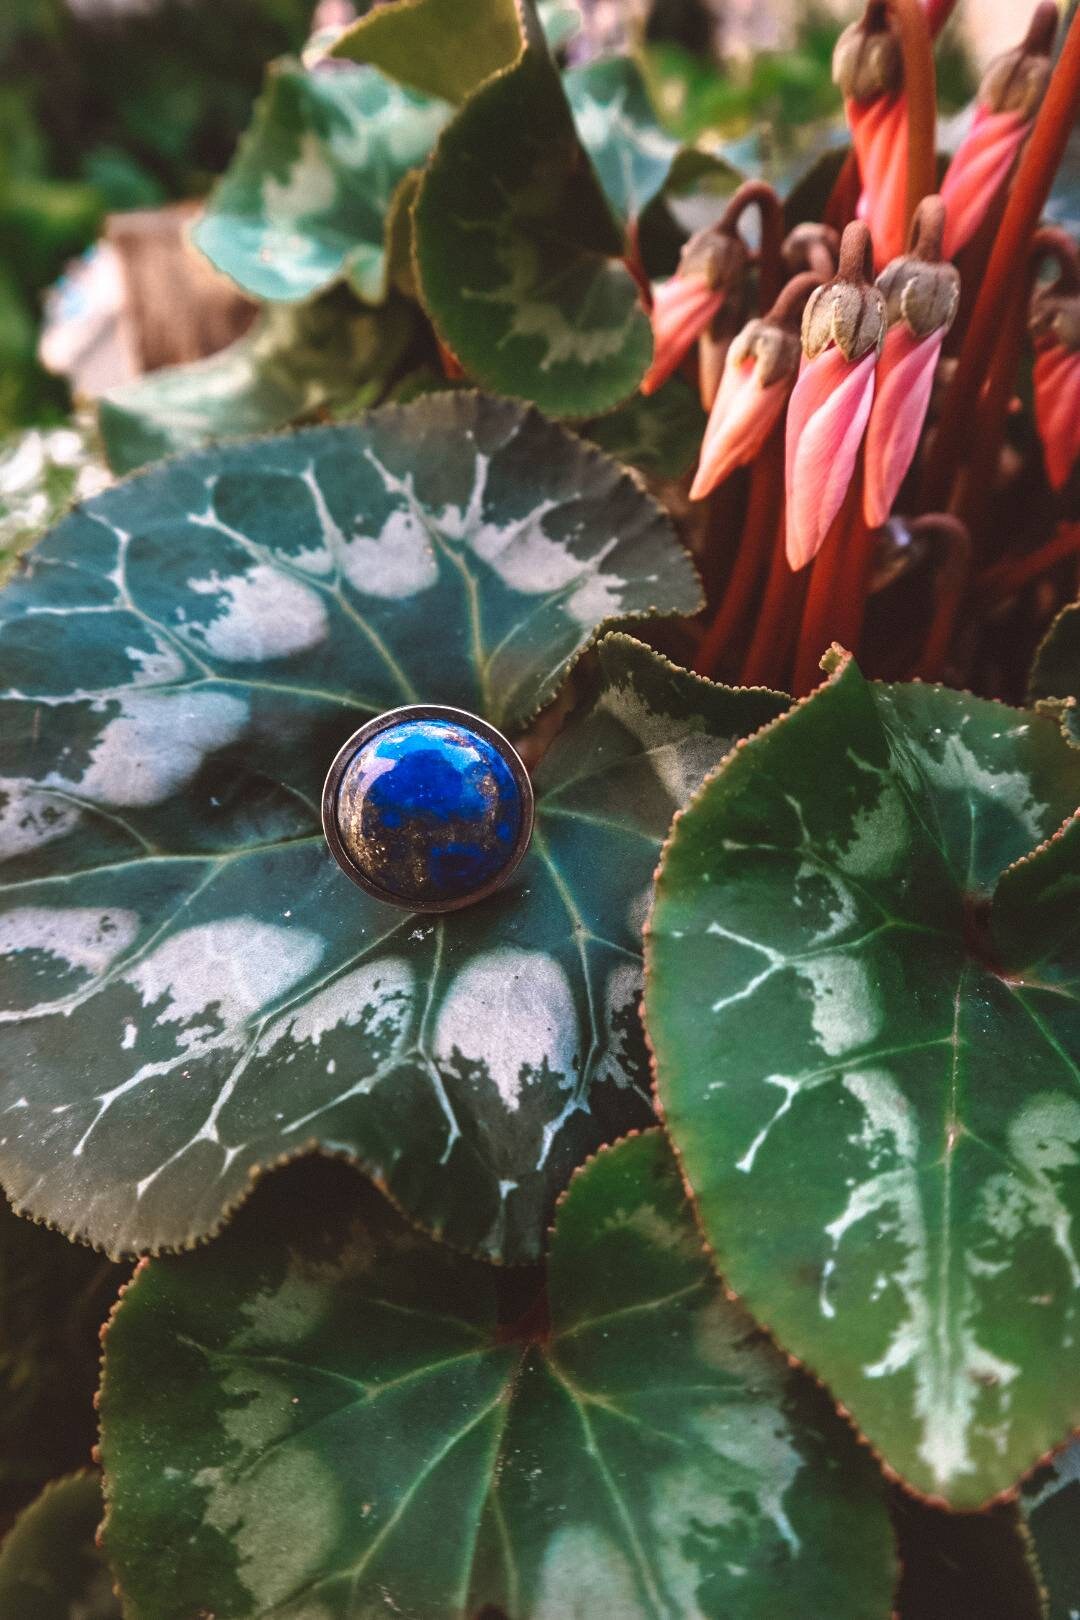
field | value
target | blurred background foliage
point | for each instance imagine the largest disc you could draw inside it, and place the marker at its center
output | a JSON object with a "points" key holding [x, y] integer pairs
{"points": [[109, 105]]}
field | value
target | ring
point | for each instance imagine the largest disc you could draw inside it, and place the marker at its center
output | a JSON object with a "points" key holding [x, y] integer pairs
{"points": [[428, 808]]}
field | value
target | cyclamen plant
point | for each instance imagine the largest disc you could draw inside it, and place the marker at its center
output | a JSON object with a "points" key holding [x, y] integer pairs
{"points": [[678, 1241]]}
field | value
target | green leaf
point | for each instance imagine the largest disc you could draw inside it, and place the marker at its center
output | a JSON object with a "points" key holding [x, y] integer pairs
{"points": [[1055, 674], [50, 1568], [560, 20], [1051, 1506], [321, 1415], [438, 46], [866, 1026], [658, 433], [193, 989], [519, 259], [53, 1298], [294, 360], [305, 200], [41, 473], [632, 155]]}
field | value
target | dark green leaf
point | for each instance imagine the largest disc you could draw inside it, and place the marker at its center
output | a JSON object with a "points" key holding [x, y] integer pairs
{"points": [[865, 1026], [295, 359], [519, 258], [321, 1416], [192, 988], [441, 47], [631, 154], [658, 433], [306, 198], [50, 1568], [1051, 1506], [1055, 674]]}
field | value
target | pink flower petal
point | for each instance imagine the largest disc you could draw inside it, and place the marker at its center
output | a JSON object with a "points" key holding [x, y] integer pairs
{"points": [[1056, 380], [901, 400], [743, 415], [826, 422], [682, 309], [979, 170], [879, 132]]}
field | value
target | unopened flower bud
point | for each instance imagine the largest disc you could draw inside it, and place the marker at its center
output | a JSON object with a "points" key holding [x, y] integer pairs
{"points": [[919, 290], [717, 254], [1016, 82], [811, 247], [867, 62], [850, 314], [775, 351]]}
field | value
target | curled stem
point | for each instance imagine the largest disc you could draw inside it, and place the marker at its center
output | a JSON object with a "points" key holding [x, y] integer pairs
{"points": [[770, 261], [1027, 197]]}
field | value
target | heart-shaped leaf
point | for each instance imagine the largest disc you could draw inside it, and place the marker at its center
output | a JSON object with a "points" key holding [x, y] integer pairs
{"points": [[295, 359], [50, 1568], [658, 433], [1051, 1506], [864, 1019], [192, 988], [438, 46], [306, 198], [323, 1414], [519, 257], [632, 155], [1055, 674]]}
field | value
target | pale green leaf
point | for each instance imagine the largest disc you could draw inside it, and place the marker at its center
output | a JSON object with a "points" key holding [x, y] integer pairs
{"points": [[441, 47], [631, 153]]}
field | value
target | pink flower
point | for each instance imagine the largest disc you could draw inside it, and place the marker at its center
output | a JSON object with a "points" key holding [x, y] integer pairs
{"points": [[759, 371], [1009, 96], [904, 382], [879, 132], [979, 173], [682, 309], [827, 418], [1057, 410]]}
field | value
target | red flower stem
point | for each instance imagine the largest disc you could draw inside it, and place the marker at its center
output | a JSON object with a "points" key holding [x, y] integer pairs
{"points": [[938, 13], [771, 210], [977, 479], [768, 661], [636, 265], [1010, 575], [1027, 198], [950, 585], [753, 556], [834, 599], [921, 91]]}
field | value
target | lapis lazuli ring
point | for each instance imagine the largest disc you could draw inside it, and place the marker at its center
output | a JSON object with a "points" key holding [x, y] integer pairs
{"points": [[428, 808]]}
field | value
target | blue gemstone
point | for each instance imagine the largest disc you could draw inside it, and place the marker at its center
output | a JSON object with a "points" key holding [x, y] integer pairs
{"points": [[430, 811]]}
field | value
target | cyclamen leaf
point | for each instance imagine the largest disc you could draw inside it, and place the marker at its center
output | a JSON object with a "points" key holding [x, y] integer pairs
{"points": [[866, 1025], [192, 988], [50, 1568], [632, 155], [323, 1414], [518, 255], [306, 198], [295, 359], [1055, 674], [658, 433], [1051, 1506], [438, 46], [41, 473]]}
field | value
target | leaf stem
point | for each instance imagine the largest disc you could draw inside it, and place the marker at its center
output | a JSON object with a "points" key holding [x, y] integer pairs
{"points": [[1030, 188]]}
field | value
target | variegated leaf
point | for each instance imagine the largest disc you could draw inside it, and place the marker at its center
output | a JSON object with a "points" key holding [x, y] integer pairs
{"points": [[192, 988], [440, 47], [630, 151], [865, 1020], [1051, 1506], [295, 359], [325, 1415], [41, 473], [659, 433], [306, 198], [50, 1568], [519, 257]]}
